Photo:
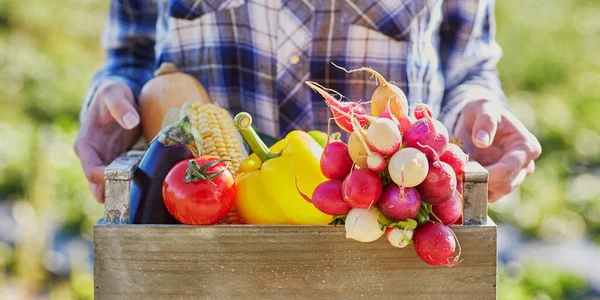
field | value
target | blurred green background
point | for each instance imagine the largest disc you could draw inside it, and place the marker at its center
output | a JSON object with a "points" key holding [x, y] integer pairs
{"points": [[549, 238]]}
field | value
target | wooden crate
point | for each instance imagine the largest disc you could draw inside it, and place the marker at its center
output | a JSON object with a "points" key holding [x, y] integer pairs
{"points": [[281, 262]]}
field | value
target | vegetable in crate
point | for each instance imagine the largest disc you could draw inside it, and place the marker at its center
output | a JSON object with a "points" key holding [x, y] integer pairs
{"points": [[266, 182], [341, 110], [362, 224], [328, 198], [436, 244], [449, 211], [169, 88], [205, 129], [199, 191], [173, 144]]}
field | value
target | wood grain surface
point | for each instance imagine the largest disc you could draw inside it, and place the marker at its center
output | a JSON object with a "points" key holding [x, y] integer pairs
{"points": [[475, 195], [281, 262]]}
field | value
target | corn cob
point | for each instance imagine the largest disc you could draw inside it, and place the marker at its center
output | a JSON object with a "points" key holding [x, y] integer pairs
{"points": [[219, 138]]}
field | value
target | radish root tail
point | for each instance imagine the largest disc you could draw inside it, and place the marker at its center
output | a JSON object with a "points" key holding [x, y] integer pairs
{"points": [[378, 76]]}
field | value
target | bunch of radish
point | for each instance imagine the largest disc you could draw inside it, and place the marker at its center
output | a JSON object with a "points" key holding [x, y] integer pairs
{"points": [[397, 175]]}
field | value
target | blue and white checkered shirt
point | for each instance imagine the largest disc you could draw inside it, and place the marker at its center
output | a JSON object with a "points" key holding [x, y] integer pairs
{"points": [[254, 55]]}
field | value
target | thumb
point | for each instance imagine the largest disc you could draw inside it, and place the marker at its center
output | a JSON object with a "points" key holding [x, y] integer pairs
{"points": [[486, 124], [118, 100]]}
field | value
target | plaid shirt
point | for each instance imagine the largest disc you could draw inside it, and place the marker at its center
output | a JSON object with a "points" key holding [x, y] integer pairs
{"points": [[254, 55]]}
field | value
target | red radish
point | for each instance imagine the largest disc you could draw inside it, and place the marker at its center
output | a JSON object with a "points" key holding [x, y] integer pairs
{"points": [[427, 132], [384, 93], [435, 244], [405, 123], [335, 161], [408, 167], [357, 150], [449, 211], [327, 197], [459, 190], [459, 221], [439, 185], [398, 237], [347, 107], [456, 158], [398, 203], [362, 188], [421, 110], [363, 224]]}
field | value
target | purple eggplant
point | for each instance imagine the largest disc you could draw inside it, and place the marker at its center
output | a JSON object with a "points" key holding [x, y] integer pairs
{"points": [[173, 144]]}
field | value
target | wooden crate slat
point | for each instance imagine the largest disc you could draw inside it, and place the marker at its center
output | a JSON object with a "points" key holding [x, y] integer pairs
{"points": [[277, 262], [475, 192]]}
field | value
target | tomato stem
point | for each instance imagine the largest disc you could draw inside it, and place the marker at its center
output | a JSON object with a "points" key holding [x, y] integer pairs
{"points": [[195, 173]]}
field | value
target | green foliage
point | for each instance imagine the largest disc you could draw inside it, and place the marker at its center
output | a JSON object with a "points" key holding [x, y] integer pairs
{"points": [[535, 281]]}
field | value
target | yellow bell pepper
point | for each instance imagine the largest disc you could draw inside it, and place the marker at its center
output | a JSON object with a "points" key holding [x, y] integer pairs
{"points": [[266, 182]]}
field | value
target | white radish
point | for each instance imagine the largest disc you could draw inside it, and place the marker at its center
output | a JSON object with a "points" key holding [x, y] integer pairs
{"points": [[375, 161], [363, 225], [357, 150], [408, 167], [384, 136], [399, 238]]}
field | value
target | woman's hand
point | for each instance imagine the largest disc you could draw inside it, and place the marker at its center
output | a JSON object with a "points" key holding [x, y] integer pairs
{"points": [[109, 127], [495, 138]]}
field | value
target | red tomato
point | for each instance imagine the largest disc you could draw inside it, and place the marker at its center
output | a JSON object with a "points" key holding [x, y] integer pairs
{"points": [[199, 201]]}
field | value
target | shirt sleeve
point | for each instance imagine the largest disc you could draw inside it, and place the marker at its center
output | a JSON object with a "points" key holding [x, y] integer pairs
{"points": [[469, 55], [128, 40]]}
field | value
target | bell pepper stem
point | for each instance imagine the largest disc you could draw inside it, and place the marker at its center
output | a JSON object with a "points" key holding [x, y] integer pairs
{"points": [[243, 123]]}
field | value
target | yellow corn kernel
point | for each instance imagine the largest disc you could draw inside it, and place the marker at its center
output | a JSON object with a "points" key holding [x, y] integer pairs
{"points": [[219, 136]]}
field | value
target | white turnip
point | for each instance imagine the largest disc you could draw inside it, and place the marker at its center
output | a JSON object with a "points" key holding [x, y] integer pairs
{"points": [[375, 161], [399, 238], [408, 167], [356, 149], [384, 136], [363, 224]]}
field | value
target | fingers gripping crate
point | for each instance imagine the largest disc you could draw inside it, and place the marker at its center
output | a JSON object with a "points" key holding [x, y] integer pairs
{"points": [[280, 261]]}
